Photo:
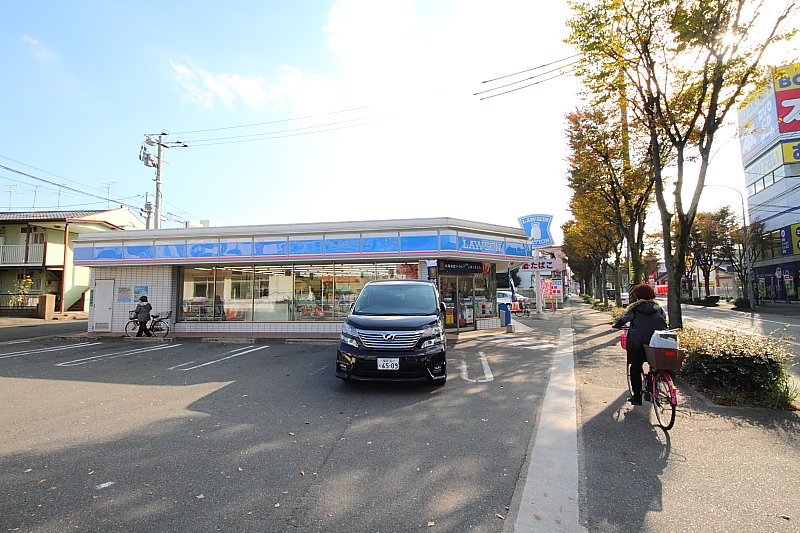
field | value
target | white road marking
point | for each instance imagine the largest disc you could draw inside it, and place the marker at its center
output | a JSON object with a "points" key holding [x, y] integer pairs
{"points": [[246, 351], [114, 355], [550, 499], [487, 372], [45, 350], [180, 365], [540, 347]]}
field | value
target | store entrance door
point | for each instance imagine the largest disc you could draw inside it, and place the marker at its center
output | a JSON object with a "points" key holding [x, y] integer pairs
{"points": [[457, 293]]}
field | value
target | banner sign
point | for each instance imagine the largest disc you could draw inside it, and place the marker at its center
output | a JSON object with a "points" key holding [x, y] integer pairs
{"points": [[538, 229]]}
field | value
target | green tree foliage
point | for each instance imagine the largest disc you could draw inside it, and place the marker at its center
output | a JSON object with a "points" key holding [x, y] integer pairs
{"points": [[682, 65], [613, 169]]}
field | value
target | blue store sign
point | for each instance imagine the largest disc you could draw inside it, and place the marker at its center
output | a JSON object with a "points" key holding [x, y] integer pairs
{"points": [[538, 229]]}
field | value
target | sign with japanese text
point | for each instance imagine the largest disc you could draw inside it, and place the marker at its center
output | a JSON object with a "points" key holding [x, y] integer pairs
{"points": [[538, 229], [539, 265]]}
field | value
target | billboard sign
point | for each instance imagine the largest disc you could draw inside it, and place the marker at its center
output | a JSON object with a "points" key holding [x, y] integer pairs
{"points": [[787, 96], [758, 123], [538, 229]]}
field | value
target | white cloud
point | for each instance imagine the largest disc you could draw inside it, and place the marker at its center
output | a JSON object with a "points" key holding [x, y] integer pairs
{"points": [[39, 50], [203, 88]]}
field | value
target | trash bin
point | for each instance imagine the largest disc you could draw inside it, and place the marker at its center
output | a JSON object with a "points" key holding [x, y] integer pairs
{"points": [[505, 314]]}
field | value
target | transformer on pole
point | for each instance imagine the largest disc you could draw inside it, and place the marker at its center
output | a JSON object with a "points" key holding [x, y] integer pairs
{"points": [[150, 160]]}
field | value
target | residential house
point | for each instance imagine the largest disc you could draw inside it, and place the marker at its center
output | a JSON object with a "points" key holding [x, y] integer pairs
{"points": [[39, 245]]}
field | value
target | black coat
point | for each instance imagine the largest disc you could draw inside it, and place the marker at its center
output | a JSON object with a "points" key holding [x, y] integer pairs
{"points": [[645, 317], [143, 311]]}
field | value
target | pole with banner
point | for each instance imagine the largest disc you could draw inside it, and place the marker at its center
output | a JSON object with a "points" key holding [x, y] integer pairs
{"points": [[538, 229]]}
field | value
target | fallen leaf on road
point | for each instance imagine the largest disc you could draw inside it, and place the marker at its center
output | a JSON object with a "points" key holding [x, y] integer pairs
{"points": [[26, 471], [501, 517], [431, 523]]}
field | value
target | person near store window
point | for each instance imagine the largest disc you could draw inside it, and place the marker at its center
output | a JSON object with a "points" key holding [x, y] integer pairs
{"points": [[142, 310]]}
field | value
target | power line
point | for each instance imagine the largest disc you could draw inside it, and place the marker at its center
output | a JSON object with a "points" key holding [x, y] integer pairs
{"points": [[534, 68], [526, 86], [526, 79], [77, 191], [273, 121], [362, 121]]}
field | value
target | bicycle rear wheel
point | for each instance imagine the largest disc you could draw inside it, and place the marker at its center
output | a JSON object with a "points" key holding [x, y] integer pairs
{"points": [[663, 402], [131, 328], [160, 328]]}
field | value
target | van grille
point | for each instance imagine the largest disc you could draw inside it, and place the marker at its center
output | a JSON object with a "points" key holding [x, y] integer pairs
{"points": [[389, 340]]}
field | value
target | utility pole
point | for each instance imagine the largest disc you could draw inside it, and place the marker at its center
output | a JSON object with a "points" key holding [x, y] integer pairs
{"points": [[147, 212], [150, 160]]}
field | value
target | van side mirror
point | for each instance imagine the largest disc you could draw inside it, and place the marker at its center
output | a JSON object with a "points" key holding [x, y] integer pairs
{"points": [[442, 308]]}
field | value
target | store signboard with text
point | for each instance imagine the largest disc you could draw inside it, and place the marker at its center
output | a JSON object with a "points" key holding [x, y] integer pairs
{"points": [[538, 229]]}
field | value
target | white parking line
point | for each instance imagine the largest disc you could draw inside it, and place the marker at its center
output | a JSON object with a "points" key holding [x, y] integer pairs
{"points": [[114, 355], [550, 499], [540, 347], [487, 372], [45, 350], [239, 350]]}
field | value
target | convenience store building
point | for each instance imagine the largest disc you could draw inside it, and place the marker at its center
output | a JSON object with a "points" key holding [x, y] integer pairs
{"points": [[293, 278]]}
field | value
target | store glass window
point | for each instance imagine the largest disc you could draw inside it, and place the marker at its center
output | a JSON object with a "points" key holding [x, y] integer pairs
{"points": [[198, 294], [311, 292], [485, 292], [278, 293], [273, 290], [233, 296], [349, 280]]}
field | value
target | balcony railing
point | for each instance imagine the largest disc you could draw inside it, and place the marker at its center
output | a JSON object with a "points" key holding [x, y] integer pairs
{"points": [[19, 300], [14, 254]]}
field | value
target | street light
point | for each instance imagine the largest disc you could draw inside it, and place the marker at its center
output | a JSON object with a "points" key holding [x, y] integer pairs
{"points": [[749, 266]]}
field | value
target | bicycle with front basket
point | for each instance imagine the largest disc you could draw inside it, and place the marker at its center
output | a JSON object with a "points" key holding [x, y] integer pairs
{"points": [[159, 326], [658, 386]]}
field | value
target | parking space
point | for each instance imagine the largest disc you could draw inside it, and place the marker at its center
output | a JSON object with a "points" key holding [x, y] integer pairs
{"points": [[260, 437]]}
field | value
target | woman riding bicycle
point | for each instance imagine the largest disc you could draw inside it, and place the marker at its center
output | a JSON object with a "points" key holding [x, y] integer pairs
{"points": [[644, 317]]}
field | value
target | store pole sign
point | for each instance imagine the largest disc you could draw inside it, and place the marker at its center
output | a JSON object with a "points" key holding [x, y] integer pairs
{"points": [[538, 229]]}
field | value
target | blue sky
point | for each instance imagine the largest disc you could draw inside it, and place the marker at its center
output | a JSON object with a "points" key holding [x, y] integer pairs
{"points": [[391, 80]]}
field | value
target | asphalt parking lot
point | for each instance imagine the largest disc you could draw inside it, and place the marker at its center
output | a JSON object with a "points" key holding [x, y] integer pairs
{"points": [[191, 436]]}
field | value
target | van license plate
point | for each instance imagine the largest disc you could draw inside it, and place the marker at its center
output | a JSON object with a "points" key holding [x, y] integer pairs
{"points": [[386, 363]]}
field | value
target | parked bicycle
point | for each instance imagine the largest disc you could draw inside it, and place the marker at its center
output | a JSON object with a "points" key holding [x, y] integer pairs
{"points": [[158, 326], [522, 309]]}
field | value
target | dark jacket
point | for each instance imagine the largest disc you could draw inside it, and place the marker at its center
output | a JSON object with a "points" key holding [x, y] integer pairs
{"points": [[645, 317], [143, 311]]}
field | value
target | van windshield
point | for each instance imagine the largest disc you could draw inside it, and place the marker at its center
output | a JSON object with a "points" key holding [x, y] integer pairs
{"points": [[390, 299]]}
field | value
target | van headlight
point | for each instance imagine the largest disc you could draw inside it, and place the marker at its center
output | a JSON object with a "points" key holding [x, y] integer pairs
{"points": [[349, 335], [433, 335]]}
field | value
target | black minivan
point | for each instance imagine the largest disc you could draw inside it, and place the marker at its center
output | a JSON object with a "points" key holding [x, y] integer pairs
{"points": [[394, 332]]}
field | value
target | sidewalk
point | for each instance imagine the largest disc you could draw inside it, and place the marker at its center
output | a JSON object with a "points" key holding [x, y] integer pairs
{"points": [[21, 321], [719, 470]]}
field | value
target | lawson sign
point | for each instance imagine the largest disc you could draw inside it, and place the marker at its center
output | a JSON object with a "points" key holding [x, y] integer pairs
{"points": [[538, 229]]}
